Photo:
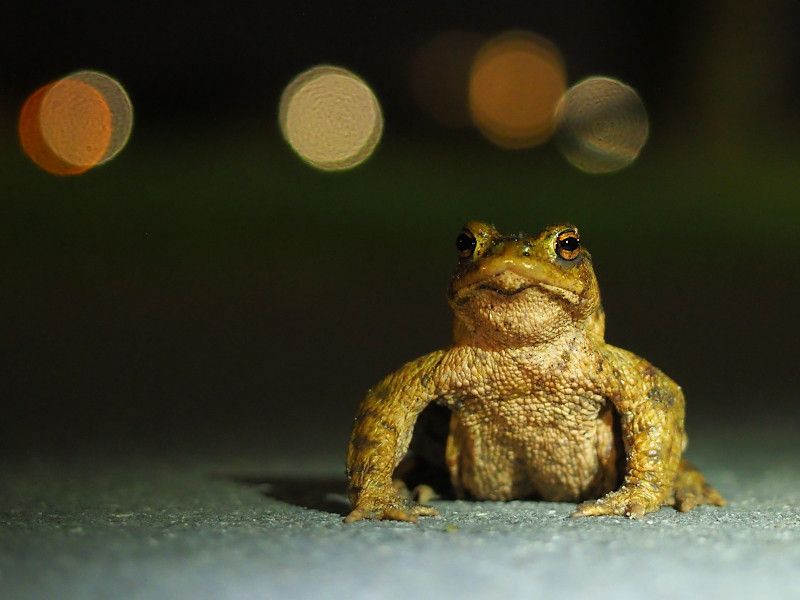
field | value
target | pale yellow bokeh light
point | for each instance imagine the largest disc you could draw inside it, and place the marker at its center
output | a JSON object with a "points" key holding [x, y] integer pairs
{"points": [[331, 118], [119, 105], [439, 74], [76, 123], [602, 125], [515, 84]]}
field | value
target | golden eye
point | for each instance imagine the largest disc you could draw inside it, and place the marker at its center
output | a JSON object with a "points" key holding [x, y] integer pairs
{"points": [[466, 243], [568, 245]]}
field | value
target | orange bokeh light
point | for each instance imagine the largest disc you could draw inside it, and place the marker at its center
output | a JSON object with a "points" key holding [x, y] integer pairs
{"points": [[69, 126], [515, 84]]}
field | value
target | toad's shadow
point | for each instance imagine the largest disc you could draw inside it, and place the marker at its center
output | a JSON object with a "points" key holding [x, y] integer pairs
{"points": [[327, 494], [423, 464]]}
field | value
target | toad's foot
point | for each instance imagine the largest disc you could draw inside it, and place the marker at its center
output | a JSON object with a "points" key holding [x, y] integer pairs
{"points": [[691, 489], [627, 501], [392, 507], [423, 493]]}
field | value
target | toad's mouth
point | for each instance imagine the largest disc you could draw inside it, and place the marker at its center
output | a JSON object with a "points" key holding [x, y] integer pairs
{"points": [[511, 279], [504, 291], [510, 288]]}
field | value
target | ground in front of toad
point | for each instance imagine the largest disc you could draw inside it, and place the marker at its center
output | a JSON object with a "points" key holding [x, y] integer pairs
{"points": [[249, 523]]}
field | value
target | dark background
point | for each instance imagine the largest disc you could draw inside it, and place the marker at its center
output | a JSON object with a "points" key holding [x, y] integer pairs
{"points": [[207, 289]]}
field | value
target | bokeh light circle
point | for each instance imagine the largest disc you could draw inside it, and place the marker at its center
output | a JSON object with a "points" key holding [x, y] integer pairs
{"points": [[602, 125], [515, 84], [119, 106], [331, 118], [439, 74], [33, 142], [76, 123]]}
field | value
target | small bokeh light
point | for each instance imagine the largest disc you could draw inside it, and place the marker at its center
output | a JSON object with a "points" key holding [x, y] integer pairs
{"points": [[602, 125], [440, 72], [331, 118], [516, 82], [76, 123]]}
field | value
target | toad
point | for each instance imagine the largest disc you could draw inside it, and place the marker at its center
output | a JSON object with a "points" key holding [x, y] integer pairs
{"points": [[540, 406]]}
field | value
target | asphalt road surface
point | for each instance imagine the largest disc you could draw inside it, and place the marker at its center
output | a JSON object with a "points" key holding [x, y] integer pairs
{"points": [[239, 524]]}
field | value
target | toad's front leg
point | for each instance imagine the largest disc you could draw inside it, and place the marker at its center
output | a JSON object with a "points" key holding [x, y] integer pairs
{"points": [[381, 435], [651, 410]]}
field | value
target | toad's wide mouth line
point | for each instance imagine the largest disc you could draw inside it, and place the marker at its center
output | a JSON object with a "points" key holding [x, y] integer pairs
{"points": [[502, 291], [465, 294]]}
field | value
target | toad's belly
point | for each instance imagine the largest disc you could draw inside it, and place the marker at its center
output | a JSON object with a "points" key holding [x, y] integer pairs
{"points": [[564, 452]]}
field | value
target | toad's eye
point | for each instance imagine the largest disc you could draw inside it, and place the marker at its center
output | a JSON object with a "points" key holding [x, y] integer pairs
{"points": [[568, 245], [465, 243]]}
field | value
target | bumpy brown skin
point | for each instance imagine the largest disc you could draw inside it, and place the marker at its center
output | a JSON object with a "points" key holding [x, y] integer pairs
{"points": [[541, 406]]}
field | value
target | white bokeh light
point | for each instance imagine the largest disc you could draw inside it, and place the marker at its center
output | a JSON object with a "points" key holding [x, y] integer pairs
{"points": [[331, 118]]}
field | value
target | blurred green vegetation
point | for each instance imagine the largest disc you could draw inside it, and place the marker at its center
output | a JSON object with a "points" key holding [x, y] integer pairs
{"points": [[198, 201]]}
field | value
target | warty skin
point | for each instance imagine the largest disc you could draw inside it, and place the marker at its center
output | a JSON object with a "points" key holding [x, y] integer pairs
{"points": [[542, 407]]}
